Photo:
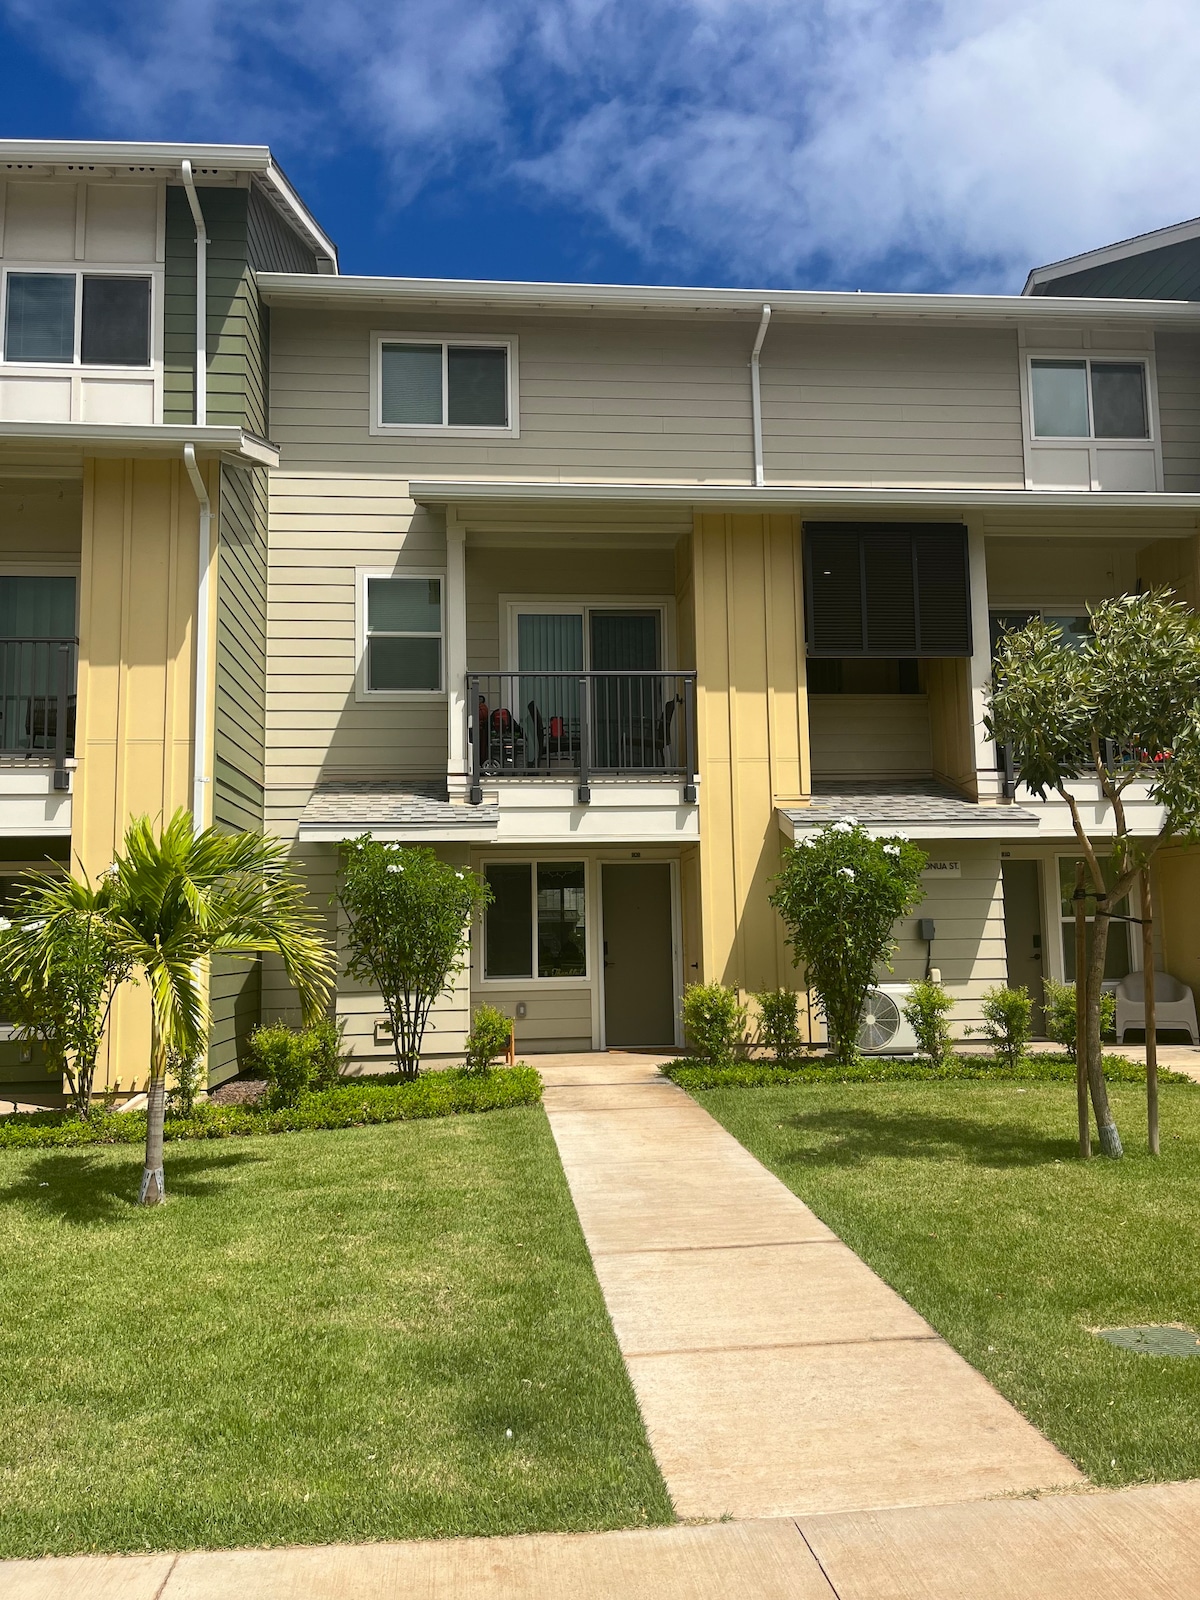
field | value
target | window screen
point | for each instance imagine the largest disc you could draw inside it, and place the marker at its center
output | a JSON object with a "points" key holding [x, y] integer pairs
{"points": [[562, 927], [412, 383], [116, 322], [477, 387], [887, 589], [444, 385], [1119, 400], [39, 320], [404, 633]]}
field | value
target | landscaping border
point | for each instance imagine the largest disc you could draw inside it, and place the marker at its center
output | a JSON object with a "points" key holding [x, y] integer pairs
{"points": [[691, 1074]]}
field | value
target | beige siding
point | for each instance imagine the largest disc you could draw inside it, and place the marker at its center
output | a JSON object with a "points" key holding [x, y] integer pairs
{"points": [[969, 914], [322, 533], [1177, 357], [891, 406], [870, 735]]}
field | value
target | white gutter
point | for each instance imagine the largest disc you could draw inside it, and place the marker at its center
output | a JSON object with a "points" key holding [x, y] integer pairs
{"points": [[756, 398], [201, 417], [200, 777]]}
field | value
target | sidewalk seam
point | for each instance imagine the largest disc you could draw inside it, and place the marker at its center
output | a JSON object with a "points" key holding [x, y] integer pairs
{"points": [[160, 1591], [820, 1564], [787, 1344]]}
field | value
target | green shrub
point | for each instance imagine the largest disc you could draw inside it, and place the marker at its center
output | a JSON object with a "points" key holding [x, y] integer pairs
{"points": [[714, 1020], [187, 1071], [296, 1060], [779, 1023], [327, 1053], [1007, 1021], [488, 1038], [1059, 1002], [354, 1103], [1041, 1068], [927, 1010]]}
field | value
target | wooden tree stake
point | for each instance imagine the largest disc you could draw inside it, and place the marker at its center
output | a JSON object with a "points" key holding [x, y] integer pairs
{"points": [[1151, 1015], [1081, 1080]]}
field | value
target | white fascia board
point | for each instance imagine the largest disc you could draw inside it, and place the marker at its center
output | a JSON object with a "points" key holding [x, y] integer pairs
{"points": [[991, 824], [1140, 244], [445, 491], [165, 439], [396, 833], [452, 294]]}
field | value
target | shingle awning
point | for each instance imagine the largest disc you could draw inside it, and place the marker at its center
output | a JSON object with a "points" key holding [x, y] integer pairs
{"points": [[409, 812], [924, 810]]}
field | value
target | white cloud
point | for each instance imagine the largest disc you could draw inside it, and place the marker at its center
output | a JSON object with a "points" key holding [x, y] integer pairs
{"points": [[951, 142]]}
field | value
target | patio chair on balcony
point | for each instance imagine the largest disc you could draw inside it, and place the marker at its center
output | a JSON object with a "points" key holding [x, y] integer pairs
{"points": [[1174, 1005]]}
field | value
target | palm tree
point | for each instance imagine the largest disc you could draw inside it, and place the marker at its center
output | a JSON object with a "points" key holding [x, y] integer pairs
{"points": [[179, 899]]}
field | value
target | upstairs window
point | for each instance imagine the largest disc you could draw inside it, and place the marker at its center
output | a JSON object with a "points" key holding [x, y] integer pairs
{"points": [[1088, 399], [403, 645], [465, 385], [111, 329]]}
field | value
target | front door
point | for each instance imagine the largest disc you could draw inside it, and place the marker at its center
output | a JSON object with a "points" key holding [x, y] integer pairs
{"points": [[1023, 928], [639, 966]]}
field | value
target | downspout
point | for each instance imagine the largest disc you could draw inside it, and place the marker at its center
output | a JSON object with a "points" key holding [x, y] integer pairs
{"points": [[756, 399], [200, 777], [201, 297]]}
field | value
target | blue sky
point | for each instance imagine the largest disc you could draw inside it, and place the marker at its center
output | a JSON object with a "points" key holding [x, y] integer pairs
{"points": [[924, 144]]}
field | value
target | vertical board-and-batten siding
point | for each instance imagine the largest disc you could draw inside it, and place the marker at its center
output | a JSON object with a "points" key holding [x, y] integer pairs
{"points": [[239, 728]]}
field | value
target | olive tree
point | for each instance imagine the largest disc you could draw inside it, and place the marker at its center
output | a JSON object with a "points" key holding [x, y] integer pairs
{"points": [[840, 893], [408, 917], [1123, 709]]}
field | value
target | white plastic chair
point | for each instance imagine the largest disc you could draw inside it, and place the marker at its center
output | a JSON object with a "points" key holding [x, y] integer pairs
{"points": [[1174, 1004]]}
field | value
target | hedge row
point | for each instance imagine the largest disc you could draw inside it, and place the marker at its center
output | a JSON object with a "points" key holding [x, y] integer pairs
{"points": [[690, 1074], [351, 1104]]}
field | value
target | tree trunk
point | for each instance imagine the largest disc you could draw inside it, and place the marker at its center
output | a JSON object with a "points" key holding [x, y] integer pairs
{"points": [[154, 1187], [1151, 1018], [1110, 1139], [1081, 1073]]}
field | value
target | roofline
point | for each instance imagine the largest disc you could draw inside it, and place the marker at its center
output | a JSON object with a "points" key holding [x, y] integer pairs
{"points": [[81, 154], [1156, 239], [456, 491], [161, 439], [465, 293]]}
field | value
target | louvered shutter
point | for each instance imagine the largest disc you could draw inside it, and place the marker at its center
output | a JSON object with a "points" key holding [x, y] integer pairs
{"points": [[898, 590]]}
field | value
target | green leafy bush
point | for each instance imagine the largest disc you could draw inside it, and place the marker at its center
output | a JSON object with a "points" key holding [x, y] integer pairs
{"points": [[295, 1060], [353, 1103], [714, 1020], [779, 1024], [1040, 1068], [840, 894], [1007, 1021], [187, 1071], [927, 1011], [1059, 1002], [488, 1038]]}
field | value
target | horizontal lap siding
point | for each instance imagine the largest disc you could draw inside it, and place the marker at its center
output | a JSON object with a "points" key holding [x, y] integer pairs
{"points": [[889, 406], [1177, 357], [883, 736], [968, 911]]}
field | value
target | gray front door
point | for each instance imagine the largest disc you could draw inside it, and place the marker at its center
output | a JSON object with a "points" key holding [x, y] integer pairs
{"points": [[639, 966]]}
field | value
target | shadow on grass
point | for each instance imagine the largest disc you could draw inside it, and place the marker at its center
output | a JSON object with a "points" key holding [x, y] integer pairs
{"points": [[81, 1187], [845, 1138]]}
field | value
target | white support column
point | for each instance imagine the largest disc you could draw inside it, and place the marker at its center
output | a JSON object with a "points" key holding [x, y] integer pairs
{"points": [[990, 785], [458, 766]]}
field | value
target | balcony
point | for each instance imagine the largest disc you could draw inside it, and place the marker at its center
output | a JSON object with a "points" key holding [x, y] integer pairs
{"points": [[37, 704], [583, 725]]}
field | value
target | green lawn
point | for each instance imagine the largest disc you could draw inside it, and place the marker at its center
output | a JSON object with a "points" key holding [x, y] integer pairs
{"points": [[970, 1200], [322, 1337]]}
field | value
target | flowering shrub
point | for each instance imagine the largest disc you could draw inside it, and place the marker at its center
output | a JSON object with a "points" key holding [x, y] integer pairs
{"points": [[840, 893]]}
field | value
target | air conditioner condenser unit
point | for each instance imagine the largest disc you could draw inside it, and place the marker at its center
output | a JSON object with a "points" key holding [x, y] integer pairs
{"points": [[883, 1029]]}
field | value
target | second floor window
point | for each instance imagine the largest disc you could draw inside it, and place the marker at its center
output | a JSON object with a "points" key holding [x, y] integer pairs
{"points": [[442, 383], [1088, 399], [403, 635], [96, 319]]}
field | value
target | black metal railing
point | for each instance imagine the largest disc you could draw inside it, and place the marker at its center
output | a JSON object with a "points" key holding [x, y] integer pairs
{"points": [[37, 702], [1115, 756], [612, 724]]}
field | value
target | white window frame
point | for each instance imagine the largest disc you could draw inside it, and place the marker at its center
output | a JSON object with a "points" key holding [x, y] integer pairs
{"points": [[1033, 443], [75, 370], [362, 689], [1133, 946], [543, 858], [436, 430]]}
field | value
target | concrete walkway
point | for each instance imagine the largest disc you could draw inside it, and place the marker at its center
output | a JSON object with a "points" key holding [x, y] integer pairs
{"points": [[777, 1375], [1135, 1544]]}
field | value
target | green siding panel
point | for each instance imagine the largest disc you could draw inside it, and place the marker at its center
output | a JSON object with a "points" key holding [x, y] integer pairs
{"points": [[240, 719], [1169, 273]]}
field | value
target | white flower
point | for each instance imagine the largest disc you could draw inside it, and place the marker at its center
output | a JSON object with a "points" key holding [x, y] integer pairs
{"points": [[805, 838], [900, 838], [891, 849], [396, 866], [842, 827], [846, 872], [5, 924]]}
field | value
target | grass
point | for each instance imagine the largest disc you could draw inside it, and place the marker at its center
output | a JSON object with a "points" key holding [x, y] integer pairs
{"points": [[765, 1074], [320, 1338], [969, 1199]]}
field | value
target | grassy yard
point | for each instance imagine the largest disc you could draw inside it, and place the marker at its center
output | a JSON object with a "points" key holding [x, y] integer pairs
{"points": [[324, 1337], [970, 1200]]}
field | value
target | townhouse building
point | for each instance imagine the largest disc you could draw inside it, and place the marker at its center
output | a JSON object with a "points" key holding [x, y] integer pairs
{"points": [[607, 592]]}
